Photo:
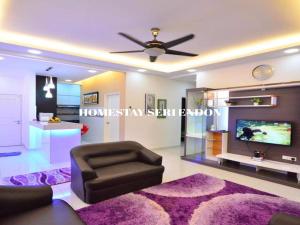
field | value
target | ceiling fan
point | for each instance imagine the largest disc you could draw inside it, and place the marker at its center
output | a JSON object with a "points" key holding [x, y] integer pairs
{"points": [[156, 48]]}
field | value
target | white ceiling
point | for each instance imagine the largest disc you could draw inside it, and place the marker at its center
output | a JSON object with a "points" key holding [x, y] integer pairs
{"points": [[19, 66], [94, 24]]}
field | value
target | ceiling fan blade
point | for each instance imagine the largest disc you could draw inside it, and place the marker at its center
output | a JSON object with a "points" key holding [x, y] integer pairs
{"points": [[153, 58], [173, 52], [133, 39], [178, 41], [129, 51]]}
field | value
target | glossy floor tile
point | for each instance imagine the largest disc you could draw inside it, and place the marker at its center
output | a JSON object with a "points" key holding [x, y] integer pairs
{"points": [[175, 168]]}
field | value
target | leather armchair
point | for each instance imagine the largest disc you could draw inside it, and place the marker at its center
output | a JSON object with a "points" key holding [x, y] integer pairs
{"points": [[34, 206], [102, 171]]}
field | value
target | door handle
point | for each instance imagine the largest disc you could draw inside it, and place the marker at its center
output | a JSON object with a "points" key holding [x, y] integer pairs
{"points": [[107, 123], [18, 122]]}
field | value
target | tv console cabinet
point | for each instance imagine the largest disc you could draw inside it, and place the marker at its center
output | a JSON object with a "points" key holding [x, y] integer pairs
{"points": [[266, 164]]}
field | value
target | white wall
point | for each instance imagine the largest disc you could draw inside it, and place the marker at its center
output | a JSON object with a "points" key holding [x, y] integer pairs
{"points": [[22, 84], [151, 131], [286, 69]]}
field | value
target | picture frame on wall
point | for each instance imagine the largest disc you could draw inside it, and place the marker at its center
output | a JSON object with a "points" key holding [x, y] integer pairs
{"points": [[91, 98], [161, 106], [149, 103]]}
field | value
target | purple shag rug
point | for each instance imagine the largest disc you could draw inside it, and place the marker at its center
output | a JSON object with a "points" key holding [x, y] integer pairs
{"points": [[49, 177], [194, 200]]}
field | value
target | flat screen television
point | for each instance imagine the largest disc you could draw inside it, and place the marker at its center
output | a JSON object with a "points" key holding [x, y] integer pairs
{"points": [[269, 132]]}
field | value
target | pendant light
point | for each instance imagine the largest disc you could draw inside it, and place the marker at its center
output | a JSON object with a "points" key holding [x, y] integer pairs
{"points": [[51, 84], [46, 87], [49, 94]]}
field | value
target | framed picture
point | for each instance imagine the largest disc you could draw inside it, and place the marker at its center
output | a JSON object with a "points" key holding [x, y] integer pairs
{"points": [[149, 103], [161, 106], [91, 98]]}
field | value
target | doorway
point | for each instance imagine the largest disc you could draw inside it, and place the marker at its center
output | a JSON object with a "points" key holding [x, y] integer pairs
{"points": [[112, 123], [10, 120], [183, 107]]}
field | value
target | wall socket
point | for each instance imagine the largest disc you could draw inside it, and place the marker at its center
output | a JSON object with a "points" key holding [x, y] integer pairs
{"points": [[291, 158]]}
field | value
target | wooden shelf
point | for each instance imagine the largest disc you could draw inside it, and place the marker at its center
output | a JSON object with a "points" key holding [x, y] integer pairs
{"points": [[247, 106], [273, 101], [195, 136], [268, 164], [257, 96]]}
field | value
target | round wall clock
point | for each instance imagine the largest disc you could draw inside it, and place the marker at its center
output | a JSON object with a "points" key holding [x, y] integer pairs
{"points": [[262, 72]]}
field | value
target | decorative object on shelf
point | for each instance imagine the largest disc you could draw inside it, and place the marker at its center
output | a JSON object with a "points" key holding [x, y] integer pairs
{"points": [[199, 102], [229, 103], [256, 101], [258, 156], [84, 129], [149, 103], [91, 98], [262, 72], [54, 120], [161, 106]]}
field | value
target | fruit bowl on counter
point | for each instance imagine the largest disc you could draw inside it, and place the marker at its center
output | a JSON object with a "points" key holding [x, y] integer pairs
{"points": [[54, 120]]}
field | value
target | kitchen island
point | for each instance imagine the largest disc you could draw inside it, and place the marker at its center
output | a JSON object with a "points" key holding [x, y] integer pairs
{"points": [[55, 139]]}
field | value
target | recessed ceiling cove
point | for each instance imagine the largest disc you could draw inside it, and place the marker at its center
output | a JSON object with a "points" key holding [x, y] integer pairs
{"points": [[94, 25]]}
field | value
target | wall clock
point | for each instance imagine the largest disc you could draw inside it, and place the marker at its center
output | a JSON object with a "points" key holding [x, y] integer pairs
{"points": [[262, 72]]}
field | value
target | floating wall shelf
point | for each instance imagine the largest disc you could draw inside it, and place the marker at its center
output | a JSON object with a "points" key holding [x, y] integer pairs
{"points": [[272, 99]]}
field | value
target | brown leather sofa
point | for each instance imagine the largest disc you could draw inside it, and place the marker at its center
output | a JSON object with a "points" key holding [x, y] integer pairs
{"points": [[34, 206], [284, 219], [103, 171]]}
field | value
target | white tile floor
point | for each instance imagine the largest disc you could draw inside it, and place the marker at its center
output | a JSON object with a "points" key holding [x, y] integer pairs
{"points": [[175, 169]]}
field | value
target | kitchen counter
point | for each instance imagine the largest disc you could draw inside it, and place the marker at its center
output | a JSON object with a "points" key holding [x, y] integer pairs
{"points": [[56, 126], [55, 140]]}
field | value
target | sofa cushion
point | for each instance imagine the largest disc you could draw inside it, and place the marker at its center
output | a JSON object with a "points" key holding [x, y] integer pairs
{"points": [[58, 213], [107, 160], [123, 173]]}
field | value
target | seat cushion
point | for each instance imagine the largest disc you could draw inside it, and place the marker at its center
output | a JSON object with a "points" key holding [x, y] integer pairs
{"points": [[123, 173], [58, 213], [107, 160]]}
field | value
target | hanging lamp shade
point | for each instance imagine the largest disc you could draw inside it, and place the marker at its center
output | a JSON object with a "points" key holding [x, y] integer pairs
{"points": [[49, 94], [51, 84], [46, 87]]}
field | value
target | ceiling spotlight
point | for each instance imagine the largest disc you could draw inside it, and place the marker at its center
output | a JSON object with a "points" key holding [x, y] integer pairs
{"points": [[1, 58], [191, 70], [68, 80], [34, 51], [141, 70], [291, 51], [92, 71]]}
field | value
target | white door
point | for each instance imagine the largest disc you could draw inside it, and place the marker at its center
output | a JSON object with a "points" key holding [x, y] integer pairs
{"points": [[10, 120], [112, 123]]}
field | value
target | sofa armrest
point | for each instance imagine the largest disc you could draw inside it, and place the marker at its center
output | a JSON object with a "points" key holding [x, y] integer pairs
{"points": [[284, 219], [14, 199], [150, 157], [80, 173]]}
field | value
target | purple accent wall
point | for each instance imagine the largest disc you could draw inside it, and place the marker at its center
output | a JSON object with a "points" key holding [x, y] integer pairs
{"points": [[288, 109]]}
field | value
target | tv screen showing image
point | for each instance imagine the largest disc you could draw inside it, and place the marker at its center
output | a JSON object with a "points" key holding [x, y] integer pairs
{"points": [[269, 132]]}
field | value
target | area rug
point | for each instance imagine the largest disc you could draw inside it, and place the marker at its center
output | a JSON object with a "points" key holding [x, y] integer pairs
{"points": [[49, 177], [194, 200]]}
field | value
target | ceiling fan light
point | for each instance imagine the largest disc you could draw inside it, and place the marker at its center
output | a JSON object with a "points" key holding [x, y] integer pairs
{"points": [[155, 51]]}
